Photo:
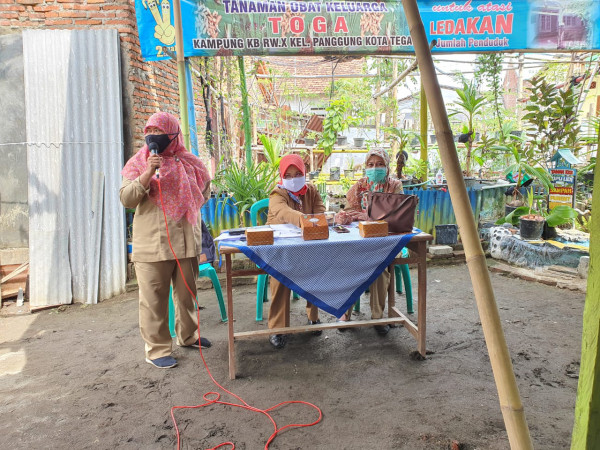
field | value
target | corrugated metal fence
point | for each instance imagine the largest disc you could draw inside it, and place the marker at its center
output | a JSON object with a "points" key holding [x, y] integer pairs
{"points": [[74, 157], [435, 208]]}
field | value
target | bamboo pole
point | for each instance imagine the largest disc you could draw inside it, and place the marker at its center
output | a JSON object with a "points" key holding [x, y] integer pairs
{"points": [[183, 104], [245, 113], [423, 125], [586, 432], [508, 392]]}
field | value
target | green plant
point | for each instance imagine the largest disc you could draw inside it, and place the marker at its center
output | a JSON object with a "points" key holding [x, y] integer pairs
{"points": [[346, 183], [313, 135], [335, 122], [351, 164], [551, 118], [489, 67], [523, 165], [246, 185], [470, 104], [416, 168], [560, 215], [272, 150]]}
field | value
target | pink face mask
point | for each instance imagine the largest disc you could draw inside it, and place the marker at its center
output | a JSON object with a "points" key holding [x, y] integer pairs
{"points": [[294, 184]]}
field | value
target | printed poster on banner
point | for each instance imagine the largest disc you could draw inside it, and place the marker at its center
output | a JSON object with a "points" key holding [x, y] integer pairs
{"points": [[278, 27]]}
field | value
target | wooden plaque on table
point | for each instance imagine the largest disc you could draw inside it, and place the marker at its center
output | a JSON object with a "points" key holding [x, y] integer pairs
{"points": [[259, 236], [314, 226], [373, 228]]}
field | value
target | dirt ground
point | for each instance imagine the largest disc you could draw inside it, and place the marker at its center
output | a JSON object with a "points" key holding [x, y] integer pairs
{"points": [[75, 378]]}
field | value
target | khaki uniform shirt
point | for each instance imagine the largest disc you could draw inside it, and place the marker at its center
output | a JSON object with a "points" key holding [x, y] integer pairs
{"points": [[283, 209], [150, 243]]}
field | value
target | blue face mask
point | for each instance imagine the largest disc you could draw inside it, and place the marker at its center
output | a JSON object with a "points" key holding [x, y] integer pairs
{"points": [[376, 174]]}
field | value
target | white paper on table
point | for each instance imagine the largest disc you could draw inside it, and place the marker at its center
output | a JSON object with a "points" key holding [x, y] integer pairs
{"points": [[286, 230]]}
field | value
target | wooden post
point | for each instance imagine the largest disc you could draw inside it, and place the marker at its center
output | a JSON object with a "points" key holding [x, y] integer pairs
{"points": [[586, 432], [508, 392], [245, 113], [183, 104]]}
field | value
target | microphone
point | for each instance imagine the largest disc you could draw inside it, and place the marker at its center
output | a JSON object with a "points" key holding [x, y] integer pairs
{"points": [[153, 147]]}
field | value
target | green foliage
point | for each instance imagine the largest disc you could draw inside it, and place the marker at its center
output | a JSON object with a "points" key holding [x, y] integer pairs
{"points": [[489, 68], [560, 215], [335, 122], [526, 162], [469, 105], [551, 118], [246, 185], [416, 168], [272, 151]]}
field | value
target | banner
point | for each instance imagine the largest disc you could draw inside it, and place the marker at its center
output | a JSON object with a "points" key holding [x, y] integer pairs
{"points": [[563, 189], [278, 27]]}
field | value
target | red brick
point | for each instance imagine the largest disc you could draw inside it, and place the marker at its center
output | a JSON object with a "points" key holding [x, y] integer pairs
{"points": [[100, 14], [44, 8], [88, 22], [9, 15], [81, 7], [118, 22], [5, 23], [73, 14], [13, 8], [52, 22], [96, 1]]}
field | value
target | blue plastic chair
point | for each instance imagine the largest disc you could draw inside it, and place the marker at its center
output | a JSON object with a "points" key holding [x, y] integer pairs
{"points": [[204, 270], [262, 280]]}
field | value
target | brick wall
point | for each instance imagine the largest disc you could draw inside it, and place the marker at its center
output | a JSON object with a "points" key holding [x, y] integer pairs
{"points": [[147, 86]]}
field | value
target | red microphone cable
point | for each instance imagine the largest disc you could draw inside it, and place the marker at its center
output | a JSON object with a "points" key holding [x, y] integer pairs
{"points": [[216, 395]]}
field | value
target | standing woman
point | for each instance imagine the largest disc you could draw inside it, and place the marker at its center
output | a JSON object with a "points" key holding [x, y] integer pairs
{"points": [[289, 201], [185, 184], [377, 171]]}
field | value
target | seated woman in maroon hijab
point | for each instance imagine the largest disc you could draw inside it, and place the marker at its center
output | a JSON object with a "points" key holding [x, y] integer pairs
{"points": [[292, 198]]}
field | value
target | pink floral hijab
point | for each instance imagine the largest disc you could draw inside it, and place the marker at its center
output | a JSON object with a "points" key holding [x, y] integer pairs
{"points": [[357, 207], [183, 176]]}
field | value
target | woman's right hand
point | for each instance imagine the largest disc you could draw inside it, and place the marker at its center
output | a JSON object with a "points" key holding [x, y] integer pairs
{"points": [[152, 163], [342, 218]]}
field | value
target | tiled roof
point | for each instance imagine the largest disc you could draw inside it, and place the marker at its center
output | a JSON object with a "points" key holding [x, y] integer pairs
{"points": [[308, 65]]}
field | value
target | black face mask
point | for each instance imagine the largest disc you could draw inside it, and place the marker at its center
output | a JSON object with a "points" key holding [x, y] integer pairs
{"points": [[162, 140]]}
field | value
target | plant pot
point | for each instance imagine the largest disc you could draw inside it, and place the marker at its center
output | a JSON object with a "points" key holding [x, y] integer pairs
{"points": [[446, 234], [470, 181], [341, 140], [509, 209], [433, 138], [334, 174], [349, 173], [359, 142], [531, 229], [309, 142], [313, 175], [549, 232]]}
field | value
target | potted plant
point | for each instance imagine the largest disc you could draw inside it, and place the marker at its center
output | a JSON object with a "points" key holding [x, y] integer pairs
{"points": [[310, 138], [522, 172], [470, 105], [246, 185], [531, 225], [349, 172], [524, 216], [334, 123]]}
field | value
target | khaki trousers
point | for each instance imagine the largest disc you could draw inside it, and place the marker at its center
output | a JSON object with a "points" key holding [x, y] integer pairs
{"points": [[279, 312], [377, 297], [154, 280], [378, 294]]}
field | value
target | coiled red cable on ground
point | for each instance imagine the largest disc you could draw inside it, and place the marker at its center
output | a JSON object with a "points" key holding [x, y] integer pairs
{"points": [[216, 395]]}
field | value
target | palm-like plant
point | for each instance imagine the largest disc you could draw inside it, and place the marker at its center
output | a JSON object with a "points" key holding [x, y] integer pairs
{"points": [[470, 104], [246, 185]]}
